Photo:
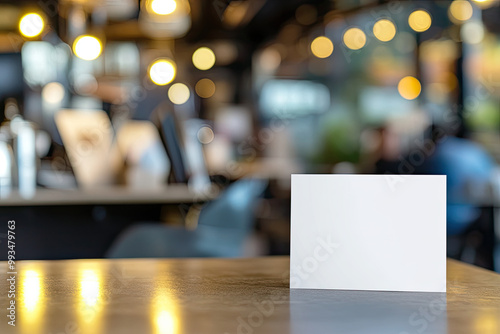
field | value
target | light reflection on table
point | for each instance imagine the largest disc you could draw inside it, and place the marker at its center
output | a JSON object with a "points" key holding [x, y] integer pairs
{"points": [[32, 302], [90, 300]]}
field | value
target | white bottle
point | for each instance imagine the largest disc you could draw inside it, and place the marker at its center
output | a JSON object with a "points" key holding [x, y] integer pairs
{"points": [[26, 159]]}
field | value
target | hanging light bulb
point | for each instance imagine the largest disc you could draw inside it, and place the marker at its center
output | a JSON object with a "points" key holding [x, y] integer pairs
{"points": [[31, 25], [87, 47], [162, 71]]}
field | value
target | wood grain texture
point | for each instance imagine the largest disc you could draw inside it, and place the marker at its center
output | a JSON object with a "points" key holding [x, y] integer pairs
{"points": [[232, 296]]}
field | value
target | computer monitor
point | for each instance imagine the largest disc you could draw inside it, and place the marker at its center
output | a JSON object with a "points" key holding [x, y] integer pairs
{"points": [[11, 78], [170, 133]]}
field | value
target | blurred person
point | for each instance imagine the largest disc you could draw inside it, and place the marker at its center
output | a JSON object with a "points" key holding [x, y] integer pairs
{"points": [[388, 152], [461, 160], [467, 166], [464, 163]]}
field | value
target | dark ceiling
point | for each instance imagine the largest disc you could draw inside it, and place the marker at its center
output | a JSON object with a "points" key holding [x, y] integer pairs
{"points": [[266, 17]]}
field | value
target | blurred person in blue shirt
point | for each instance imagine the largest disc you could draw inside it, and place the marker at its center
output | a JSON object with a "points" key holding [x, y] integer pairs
{"points": [[463, 162]]}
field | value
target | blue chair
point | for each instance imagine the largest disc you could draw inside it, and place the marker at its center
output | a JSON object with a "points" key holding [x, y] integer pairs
{"points": [[223, 226]]}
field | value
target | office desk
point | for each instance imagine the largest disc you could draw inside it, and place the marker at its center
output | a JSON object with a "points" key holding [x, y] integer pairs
{"points": [[233, 296], [83, 223]]}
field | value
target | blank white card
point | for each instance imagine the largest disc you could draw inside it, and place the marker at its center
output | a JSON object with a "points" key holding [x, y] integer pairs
{"points": [[368, 232]]}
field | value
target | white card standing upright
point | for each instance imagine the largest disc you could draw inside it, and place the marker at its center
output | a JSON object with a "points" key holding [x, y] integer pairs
{"points": [[368, 232]]}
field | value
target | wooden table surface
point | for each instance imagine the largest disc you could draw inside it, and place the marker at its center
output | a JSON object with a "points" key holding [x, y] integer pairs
{"points": [[232, 296]]}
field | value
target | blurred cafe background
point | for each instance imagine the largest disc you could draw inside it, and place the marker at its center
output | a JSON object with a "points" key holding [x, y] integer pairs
{"points": [[170, 128]]}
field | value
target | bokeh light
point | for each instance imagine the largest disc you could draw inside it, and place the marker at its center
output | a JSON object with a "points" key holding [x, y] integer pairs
{"points": [[53, 93], [483, 4], [162, 72], [203, 58], [409, 88], [270, 59], [354, 38], [472, 32], [384, 30], [420, 20], [31, 25], [205, 135], [163, 7], [178, 93], [322, 47], [87, 47], [205, 88], [460, 11]]}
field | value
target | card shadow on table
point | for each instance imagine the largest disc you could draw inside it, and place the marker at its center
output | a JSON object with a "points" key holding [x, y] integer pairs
{"points": [[342, 311]]}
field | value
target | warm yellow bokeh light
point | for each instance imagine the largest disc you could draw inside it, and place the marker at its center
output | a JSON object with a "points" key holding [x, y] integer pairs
{"points": [[53, 92], [162, 72], [205, 88], [460, 10], [483, 4], [178, 93], [87, 47], [322, 47], [203, 58], [31, 25], [384, 30], [409, 88], [354, 38], [420, 20], [163, 7]]}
